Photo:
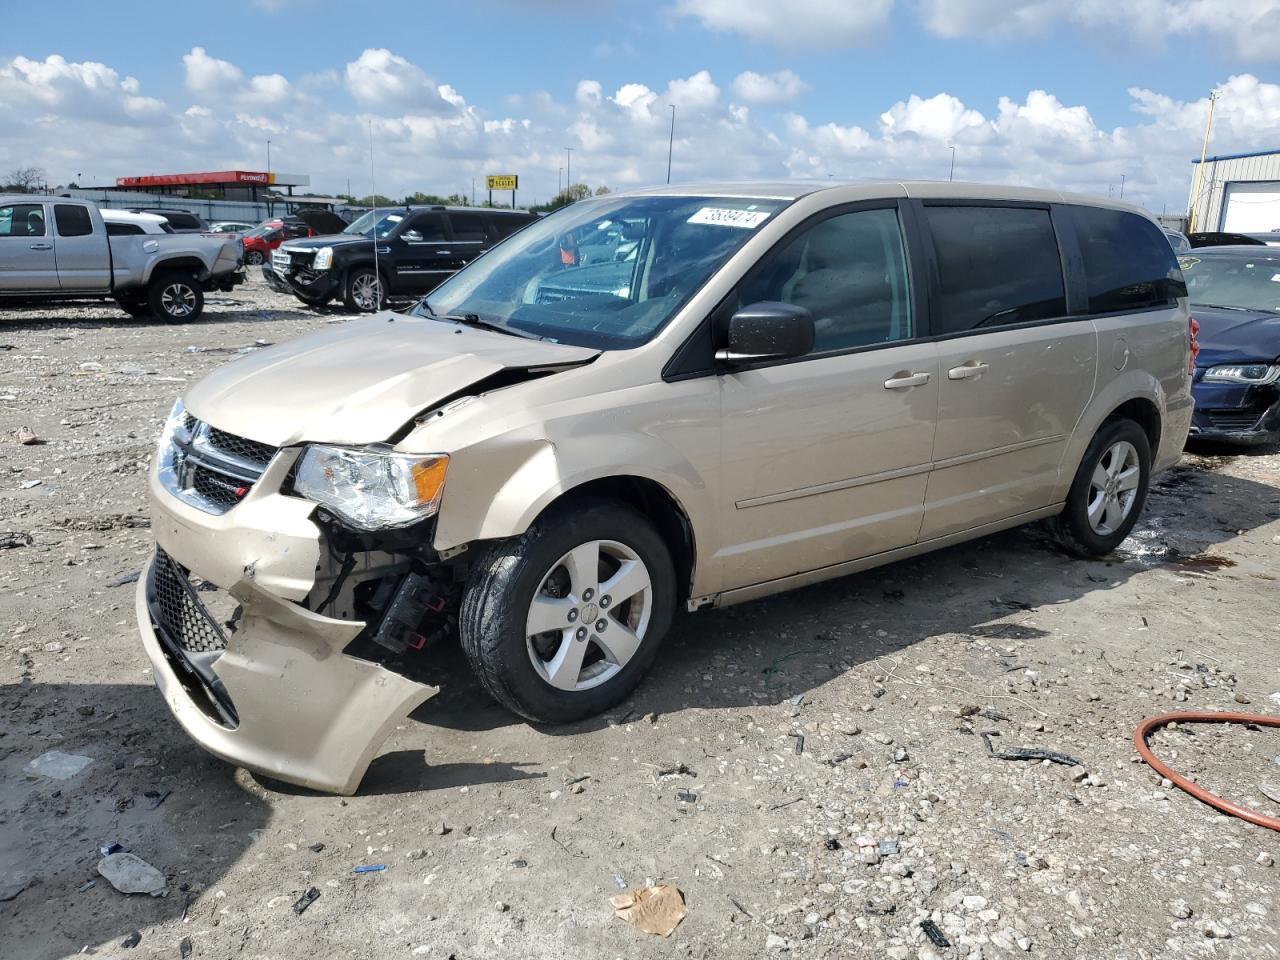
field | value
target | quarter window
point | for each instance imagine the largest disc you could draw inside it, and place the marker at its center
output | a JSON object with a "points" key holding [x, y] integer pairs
{"points": [[22, 220], [1128, 261], [850, 272], [72, 220], [123, 229], [997, 266]]}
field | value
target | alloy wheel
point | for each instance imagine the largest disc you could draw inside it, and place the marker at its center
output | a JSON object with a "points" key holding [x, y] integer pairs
{"points": [[589, 615], [366, 292], [178, 300], [1113, 488]]}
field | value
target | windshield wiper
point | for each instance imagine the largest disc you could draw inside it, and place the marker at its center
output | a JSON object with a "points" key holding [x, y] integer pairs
{"points": [[1226, 306], [475, 320]]}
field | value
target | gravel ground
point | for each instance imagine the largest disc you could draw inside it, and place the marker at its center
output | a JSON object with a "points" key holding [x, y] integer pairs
{"points": [[808, 769]]}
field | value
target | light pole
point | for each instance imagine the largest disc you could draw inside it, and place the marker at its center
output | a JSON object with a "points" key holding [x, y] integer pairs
{"points": [[1122, 186], [671, 139], [268, 159], [559, 180], [952, 175], [568, 167]]}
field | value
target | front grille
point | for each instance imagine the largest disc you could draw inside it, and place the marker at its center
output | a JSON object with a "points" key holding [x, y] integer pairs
{"points": [[260, 453], [1233, 419], [211, 468], [178, 609], [279, 260]]}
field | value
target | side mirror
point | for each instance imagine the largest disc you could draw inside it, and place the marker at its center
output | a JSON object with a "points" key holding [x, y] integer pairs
{"points": [[412, 236], [768, 331]]}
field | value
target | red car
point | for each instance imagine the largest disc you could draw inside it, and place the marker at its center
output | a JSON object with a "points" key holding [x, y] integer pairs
{"points": [[259, 242]]}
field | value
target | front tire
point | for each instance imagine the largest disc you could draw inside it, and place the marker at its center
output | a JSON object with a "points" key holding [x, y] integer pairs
{"points": [[254, 258], [363, 291], [1108, 492], [136, 308], [175, 297], [563, 622]]}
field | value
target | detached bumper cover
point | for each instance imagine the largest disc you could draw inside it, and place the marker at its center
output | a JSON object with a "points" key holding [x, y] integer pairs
{"points": [[280, 698]]}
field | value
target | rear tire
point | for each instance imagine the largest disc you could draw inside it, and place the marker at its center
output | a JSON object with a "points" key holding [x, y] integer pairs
{"points": [[1108, 492], [363, 292], [603, 625], [175, 297], [254, 258]]}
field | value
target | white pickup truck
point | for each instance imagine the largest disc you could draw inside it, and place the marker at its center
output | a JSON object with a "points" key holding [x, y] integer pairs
{"points": [[59, 249]]}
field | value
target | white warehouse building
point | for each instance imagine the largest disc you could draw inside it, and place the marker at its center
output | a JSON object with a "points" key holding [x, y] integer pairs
{"points": [[1238, 193]]}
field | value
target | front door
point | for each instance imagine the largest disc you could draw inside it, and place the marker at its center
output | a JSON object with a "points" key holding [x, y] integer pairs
{"points": [[1015, 372], [826, 457], [26, 249]]}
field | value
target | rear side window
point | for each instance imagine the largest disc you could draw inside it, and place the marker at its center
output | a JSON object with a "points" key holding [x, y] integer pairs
{"points": [[996, 266], [184, 221], [123, 229], [468, 227], [72, 221], [1127, 260], [22, 220]]}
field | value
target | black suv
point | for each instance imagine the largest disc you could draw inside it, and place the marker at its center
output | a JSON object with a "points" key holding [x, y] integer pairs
{"points": [[417, 248]]}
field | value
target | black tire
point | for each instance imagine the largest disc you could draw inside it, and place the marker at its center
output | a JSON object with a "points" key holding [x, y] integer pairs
{"points": [[175, 297], [135, 308], [355, 278], [1072, 527], [501, 588], [254, 258]]}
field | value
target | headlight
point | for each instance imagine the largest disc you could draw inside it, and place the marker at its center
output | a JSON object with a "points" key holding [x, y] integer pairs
{"points": [[176, 423], [323, 259], [372, 489], [167, 454], [1251, 373]]}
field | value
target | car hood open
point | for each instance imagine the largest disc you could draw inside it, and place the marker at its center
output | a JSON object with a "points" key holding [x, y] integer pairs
{"points": [[361, 381], [1235, 336]]}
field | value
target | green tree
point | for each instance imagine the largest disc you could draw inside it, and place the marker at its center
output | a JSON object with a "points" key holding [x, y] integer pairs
{"points": [[376, 200]]}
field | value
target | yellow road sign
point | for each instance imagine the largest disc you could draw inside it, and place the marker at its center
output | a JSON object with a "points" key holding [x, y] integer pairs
{"points": [[502, 181]]}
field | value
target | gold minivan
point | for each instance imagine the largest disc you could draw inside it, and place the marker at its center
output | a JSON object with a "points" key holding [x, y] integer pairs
{"points": [[679, 397]]}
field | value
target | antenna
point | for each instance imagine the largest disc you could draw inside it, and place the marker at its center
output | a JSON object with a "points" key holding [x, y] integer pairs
{"points": [[373, 187]]}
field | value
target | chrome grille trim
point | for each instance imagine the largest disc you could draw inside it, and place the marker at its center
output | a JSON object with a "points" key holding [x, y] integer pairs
{"points": [[207, 467]]}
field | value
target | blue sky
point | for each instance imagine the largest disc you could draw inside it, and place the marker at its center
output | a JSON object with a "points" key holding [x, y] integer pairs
{"points": [[1090, 89]]}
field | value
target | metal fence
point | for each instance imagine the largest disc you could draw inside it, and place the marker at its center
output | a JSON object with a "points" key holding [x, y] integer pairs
{"points": [[212, 210]]}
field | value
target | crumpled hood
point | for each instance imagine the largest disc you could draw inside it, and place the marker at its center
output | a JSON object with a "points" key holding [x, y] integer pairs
{"points": [[359, 382], [1232, 336]]}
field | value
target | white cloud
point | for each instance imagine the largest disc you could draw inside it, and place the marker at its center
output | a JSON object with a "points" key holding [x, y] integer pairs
{"points": [[771, 88], [86, 117], [795, 23], [1248, 28], [380, 79]]}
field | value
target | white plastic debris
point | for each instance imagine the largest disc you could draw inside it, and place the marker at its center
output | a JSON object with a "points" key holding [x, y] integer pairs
{"points": [[130, 874], [58, 765]]}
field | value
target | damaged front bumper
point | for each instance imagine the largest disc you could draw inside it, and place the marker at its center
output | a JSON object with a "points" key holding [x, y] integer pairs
{"points": [[269, 687]]}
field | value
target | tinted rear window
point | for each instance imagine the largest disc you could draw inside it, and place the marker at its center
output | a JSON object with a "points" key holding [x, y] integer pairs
{"points": [[72, 220], [468, 227], [123, 229], [996, 266], [505, 226], [1127, 260]]}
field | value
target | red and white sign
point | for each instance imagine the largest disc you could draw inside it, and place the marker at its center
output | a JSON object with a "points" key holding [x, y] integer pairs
{"points": [[198, 179]]}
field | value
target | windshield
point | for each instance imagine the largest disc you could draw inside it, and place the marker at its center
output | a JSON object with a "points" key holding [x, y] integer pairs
{"points": [[385, 220], [1248, 283], [602, 273]]}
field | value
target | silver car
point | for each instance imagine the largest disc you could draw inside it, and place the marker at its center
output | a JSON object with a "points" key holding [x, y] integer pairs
{"points": [[674, 398]]}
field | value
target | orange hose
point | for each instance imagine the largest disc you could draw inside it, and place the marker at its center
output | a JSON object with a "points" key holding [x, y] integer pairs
{"points": [[1200, 793]]}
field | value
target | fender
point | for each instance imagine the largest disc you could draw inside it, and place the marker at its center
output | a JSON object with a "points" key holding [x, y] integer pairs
{"points": [[1130, 385], [539, 471]]}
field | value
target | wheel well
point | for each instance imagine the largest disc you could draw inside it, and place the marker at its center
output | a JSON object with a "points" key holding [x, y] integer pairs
{"points": [[192, 264], [651, 499], [1145, 414]]}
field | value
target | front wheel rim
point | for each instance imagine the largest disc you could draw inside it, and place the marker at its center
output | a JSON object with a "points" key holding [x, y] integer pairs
{"points": [[178, 300], [366, 292], [1113, 488], [589, 616]]}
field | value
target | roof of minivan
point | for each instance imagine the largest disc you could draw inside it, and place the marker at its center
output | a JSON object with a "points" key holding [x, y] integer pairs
{"points": [[932, 189]]}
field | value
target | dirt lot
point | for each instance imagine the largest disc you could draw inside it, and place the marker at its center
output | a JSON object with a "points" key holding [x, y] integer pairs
{"points": [[806, 769]]}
